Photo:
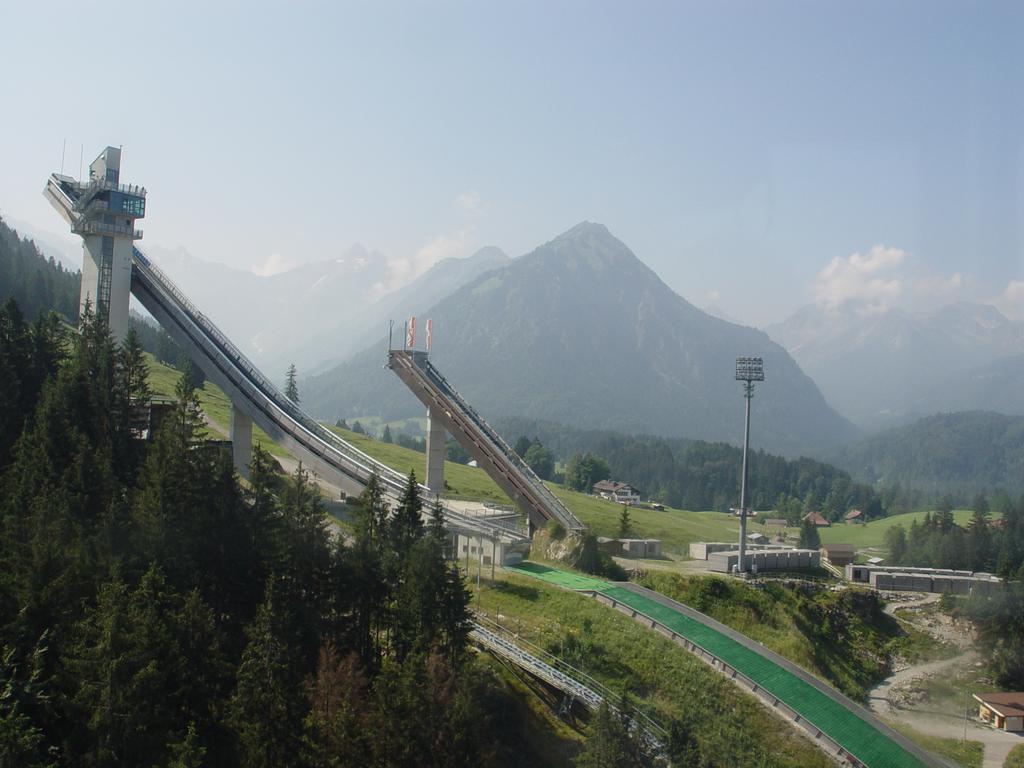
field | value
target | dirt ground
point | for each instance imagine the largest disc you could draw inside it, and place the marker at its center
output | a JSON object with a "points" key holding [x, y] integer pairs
{"points": [[901, 696]]}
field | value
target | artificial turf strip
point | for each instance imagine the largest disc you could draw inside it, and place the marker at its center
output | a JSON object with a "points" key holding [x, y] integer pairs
{"points": [[559, 578], [857, 736]]}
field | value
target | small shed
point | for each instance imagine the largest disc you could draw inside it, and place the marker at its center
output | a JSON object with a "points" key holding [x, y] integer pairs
{"points": [[838, 554], [1002, 710], [854, 516], [641, 547], [816, 519], [611, 546]]}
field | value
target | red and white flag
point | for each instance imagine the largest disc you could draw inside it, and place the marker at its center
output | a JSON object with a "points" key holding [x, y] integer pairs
{"points": [[430, 332], [410, 333]]}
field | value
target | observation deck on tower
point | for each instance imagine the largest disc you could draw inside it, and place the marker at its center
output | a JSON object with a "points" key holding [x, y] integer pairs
{"points": [[103, 212]]}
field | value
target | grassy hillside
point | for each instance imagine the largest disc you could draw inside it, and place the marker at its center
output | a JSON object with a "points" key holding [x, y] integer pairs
{"points": [[462, 481], [730, 726], [843, 637], [675, 527], [873, 534], [215, 404], [968, 452]]}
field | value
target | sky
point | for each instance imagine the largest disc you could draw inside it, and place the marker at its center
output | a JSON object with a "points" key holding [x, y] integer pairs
{"points": [[758, 156]]}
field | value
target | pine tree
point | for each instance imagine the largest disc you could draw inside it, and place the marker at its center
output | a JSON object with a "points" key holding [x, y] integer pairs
{"points": [[944, 514], [22, 741], [305, 569], [266, 710], [336, 726], [979, 536], [386, 437], [131, 391], [407, 523], [368, 569], [809, 536], [129, 672], [625, 527], [436, 529], [189, 752], [291, 385], [522, 446]]}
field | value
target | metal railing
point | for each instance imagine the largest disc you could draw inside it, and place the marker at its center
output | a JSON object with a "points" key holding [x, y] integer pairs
{"points": [[100, 185], [528, 475], [535, 666], [562, 676], [513, 457], [91, 227], [567, 669]]}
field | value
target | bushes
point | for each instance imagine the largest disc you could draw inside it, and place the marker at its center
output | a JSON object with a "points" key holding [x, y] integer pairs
{"points": [[843, 637], [1016, 757]]}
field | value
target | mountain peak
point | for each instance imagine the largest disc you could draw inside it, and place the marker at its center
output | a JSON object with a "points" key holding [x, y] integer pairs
{"points": [[587, 245], [585, 230], [580, 331]]}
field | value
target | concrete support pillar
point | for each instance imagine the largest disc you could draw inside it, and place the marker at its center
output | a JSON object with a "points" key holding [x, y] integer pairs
{"points": [[435, 454], [241, 440]]}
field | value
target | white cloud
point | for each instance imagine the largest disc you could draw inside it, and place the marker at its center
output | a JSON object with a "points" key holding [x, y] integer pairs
{"points": [[1011, 301], [469, 203], [456, 244], [870, 280], [938, 287], [711, 297], [274, 265]]}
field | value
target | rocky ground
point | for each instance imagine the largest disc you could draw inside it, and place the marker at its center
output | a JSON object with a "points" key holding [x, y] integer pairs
{"points": [[904, 696]]}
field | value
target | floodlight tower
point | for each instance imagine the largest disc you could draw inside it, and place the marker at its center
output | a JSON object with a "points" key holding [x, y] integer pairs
{"points": [[748, 370]]}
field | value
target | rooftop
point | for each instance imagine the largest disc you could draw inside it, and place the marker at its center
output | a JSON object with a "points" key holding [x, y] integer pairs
{"points": [[839, 549], [1005, 704]]}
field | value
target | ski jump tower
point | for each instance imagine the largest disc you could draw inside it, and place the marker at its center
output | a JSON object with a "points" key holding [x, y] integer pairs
{"points": [[107, 211]]}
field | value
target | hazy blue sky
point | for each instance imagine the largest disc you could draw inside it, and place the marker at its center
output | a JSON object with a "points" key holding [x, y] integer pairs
{"points": [[743, 150]]}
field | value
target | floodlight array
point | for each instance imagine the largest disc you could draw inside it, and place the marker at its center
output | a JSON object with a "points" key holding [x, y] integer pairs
{"points": [[749, 369]]}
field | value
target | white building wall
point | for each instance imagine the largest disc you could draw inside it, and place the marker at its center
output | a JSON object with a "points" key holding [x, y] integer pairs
{"points": [[120, 287], [92, 253]]}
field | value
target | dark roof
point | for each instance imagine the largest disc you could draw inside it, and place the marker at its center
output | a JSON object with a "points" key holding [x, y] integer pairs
{"points": [[839, 549], [1005, 704], [816, 518], [610, 485]]}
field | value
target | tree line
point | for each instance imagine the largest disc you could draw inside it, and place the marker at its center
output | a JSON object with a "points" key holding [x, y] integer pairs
{"points": [[156, 611], [36, 283], [991, 541]]}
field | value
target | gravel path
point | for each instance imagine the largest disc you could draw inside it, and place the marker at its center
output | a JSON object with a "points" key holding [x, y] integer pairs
{"points": [[886, 698]]}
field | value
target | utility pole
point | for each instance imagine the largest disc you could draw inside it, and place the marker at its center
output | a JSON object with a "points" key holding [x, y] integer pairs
{"points": [[748, 370]]}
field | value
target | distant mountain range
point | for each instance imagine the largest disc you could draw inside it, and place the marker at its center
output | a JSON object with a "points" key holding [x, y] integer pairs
{"points": [[316, 314], [975, 451], [892, 367], [581, 332]]}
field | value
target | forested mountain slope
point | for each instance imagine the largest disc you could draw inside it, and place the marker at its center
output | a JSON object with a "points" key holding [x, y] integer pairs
{"points": [[581, 332], [37, 283], [973, 451]]}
